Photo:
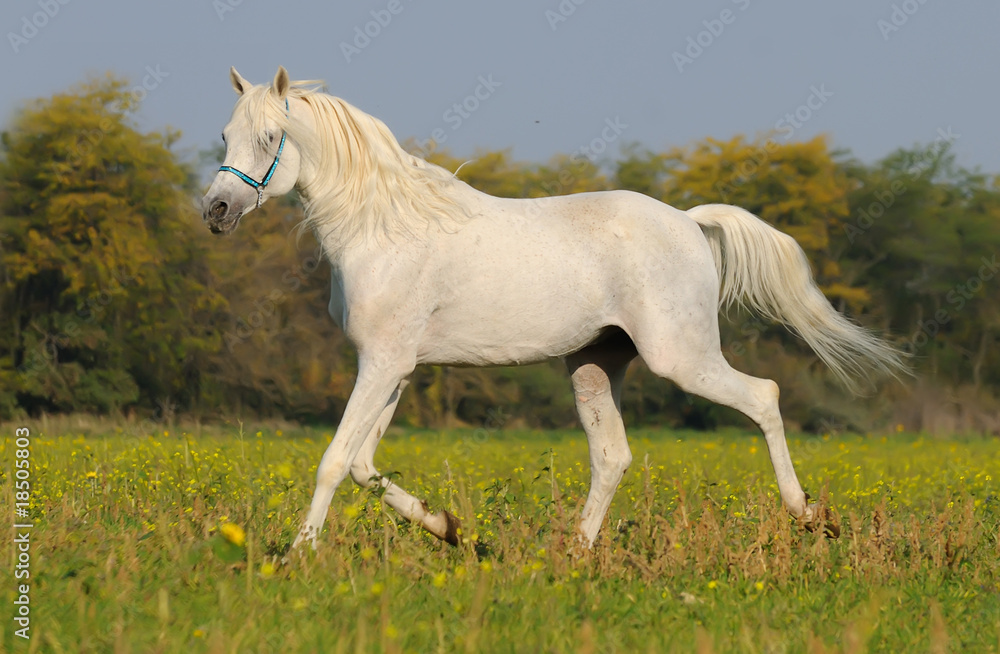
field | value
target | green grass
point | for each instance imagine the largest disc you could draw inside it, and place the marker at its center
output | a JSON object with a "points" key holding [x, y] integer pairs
{"points": [[129, 555]]}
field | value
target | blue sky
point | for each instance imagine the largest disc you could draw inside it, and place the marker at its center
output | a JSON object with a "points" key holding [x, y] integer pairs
{"points": [[544, 76]]}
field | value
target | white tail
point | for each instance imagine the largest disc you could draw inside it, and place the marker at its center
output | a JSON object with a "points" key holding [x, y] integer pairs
{"points": [[765, 270]]}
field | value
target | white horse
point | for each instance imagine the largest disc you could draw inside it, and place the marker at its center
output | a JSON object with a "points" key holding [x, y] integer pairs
{"points": [[428, 270]]}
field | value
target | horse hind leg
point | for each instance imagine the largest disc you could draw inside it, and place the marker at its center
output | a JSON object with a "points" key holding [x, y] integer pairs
{"points": [[598, 373], [442, 524], [712, 378]]}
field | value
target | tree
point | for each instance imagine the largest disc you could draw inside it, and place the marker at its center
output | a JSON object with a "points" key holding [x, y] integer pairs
{"points": [[923, 238], [103, 295]]}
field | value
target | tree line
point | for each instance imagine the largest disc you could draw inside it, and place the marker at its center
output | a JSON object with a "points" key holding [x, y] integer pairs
{"points": [[116, 300]]}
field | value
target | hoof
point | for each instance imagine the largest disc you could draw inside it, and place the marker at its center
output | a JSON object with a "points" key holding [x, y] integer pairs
{"points": [[306, 535], [296, 547], [454, 527], [580, 547], [811, 519]]}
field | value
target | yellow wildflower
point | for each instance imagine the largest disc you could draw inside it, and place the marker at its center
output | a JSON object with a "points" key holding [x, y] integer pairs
{"points": [[233, 533]]}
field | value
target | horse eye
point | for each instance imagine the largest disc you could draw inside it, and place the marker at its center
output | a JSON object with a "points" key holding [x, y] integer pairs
{"points": [[223, 138], [270, 137]]}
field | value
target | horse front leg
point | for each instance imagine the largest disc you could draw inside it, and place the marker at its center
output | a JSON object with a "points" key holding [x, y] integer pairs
{"points": [[442, 524], [375, 389]]}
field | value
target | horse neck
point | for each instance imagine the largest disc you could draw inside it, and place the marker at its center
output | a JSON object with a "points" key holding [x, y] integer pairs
{"points": [[402, 210]]}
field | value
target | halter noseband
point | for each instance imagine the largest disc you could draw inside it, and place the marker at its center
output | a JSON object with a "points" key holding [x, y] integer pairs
{"points": [[262, 184]]}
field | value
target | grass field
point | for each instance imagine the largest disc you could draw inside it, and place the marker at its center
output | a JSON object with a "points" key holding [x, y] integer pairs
{"points": [[171, 542]]}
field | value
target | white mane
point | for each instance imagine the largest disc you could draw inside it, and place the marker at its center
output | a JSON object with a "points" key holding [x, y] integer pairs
{"points": [[368, 186]]}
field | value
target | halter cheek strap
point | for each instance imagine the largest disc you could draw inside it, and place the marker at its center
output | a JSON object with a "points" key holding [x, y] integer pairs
{"points": [[262, 184]]}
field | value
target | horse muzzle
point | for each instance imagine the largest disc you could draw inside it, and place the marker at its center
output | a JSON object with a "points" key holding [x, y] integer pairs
{"points": [[220, 219]]}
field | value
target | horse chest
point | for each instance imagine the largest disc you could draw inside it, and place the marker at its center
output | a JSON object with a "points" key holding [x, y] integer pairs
{"points": [[337, 306]]}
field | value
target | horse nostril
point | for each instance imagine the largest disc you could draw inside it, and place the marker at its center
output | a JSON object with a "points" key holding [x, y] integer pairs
{"points": [[218, 209]]}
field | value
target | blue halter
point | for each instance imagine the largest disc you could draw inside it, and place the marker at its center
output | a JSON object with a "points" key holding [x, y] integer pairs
{"points": [[262, 184]]}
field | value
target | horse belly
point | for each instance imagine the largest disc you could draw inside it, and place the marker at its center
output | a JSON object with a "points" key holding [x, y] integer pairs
{"points": [[501, 334]]}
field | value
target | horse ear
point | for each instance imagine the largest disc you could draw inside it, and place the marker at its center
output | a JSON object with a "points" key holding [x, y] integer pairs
{"points": [[281, 83], [240, 84]]}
